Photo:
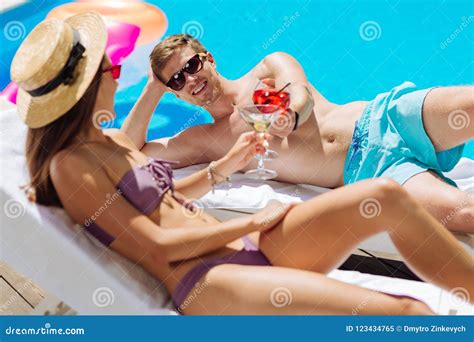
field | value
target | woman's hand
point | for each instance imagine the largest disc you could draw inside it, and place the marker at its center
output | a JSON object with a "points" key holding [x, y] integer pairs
{"points": [[268, 217], [247, 146]]}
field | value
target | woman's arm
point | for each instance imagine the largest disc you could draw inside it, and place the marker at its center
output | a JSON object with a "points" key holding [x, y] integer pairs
{"points": [[246, 147], [198, 184], [186, 243], [88, 194]]}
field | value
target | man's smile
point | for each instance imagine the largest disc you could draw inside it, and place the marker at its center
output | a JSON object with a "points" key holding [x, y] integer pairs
{"points": [[199, 88]]}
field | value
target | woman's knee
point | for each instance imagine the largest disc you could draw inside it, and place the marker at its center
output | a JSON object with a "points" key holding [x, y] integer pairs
{"points": [[387, 188], [387, 200], [389, 193]]}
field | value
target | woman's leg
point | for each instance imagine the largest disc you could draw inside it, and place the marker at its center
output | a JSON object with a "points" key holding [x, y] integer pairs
{"points": [[319, 235], [268, 290]]}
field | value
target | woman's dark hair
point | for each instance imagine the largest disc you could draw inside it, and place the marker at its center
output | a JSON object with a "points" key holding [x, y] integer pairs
{"points": [[44, 142]]}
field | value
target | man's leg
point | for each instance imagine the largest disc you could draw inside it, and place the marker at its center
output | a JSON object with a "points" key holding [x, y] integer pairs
{"points": [[451, 206], [448, 116]]}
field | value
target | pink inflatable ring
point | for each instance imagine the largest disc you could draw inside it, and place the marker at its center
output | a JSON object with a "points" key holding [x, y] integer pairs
{"points": [[151, 20]]}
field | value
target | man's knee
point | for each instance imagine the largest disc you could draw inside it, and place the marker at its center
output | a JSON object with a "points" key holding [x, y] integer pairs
{"points": [[466, 99], [463, 103], [460, 217], [466, 216]]}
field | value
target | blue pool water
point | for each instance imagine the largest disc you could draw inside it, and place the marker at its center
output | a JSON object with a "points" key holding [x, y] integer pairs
{"points": [[351, 50]]}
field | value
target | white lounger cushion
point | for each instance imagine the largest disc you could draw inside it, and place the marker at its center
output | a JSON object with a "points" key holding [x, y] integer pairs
{"points": [[44, 244]]}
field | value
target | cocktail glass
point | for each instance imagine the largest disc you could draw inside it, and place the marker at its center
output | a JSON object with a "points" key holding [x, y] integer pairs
{"points": [[260, 118]]}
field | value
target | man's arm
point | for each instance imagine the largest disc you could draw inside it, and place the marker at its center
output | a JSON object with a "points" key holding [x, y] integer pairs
{"points": [[188, 147], [137, 122], [283, 68]]}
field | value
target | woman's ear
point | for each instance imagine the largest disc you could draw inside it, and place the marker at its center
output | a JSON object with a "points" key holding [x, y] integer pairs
{"points": [[211, 59]]}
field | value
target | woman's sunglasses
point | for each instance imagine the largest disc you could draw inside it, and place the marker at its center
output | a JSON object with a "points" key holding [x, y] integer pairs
{"points": [[192, 66], [114, 71]]}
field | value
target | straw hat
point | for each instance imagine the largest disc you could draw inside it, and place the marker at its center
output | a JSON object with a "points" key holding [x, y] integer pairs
{"points": [[55, 65]]}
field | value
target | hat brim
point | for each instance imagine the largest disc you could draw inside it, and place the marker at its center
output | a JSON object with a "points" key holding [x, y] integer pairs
{"points": [[39, 111]]}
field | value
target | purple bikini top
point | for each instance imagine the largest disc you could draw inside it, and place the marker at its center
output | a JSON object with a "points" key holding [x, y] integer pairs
{"points": [[144, 187]]}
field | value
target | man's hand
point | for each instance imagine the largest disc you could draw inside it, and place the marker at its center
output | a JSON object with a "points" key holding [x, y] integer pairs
{"points": [[301, 101], [283, 68], [154, 83]]}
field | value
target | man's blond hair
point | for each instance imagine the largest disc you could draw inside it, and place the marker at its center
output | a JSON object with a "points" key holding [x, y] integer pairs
{"points": [[163, 51]]}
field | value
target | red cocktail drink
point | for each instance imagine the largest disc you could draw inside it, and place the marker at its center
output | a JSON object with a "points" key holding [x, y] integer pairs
{"points": [[271, 97]]}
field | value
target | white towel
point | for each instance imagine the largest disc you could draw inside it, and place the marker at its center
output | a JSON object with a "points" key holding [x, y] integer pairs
{"points": [[250, 195]]}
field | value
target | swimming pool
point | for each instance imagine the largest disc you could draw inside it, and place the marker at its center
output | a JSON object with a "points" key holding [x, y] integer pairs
{"points": [[351, 50]]}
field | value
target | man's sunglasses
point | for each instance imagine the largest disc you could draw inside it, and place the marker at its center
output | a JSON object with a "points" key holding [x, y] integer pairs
{"points": [[114, 71], [192, 66]]}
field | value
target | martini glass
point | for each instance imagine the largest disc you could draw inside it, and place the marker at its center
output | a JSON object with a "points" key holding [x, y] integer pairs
{"points": [[263, 93], [260, 118]]}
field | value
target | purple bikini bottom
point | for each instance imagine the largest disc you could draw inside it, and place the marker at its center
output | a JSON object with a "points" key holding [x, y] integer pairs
{"points": [[250, 255]]}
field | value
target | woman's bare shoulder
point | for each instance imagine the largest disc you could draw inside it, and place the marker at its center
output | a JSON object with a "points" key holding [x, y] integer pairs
{"points": [[70, 162], [120, 137]]}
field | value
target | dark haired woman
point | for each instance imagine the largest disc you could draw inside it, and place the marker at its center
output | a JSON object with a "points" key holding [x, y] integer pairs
{"points": [[242, 266]]}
